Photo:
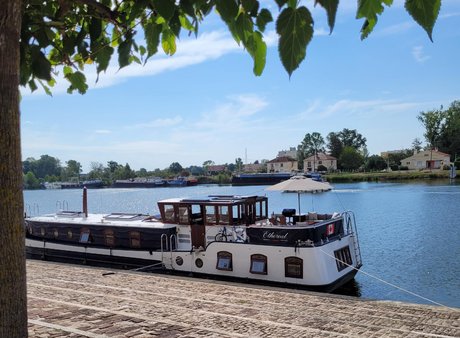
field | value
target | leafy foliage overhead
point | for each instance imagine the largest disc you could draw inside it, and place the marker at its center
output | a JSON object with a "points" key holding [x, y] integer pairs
{"points": [[67, 35]]}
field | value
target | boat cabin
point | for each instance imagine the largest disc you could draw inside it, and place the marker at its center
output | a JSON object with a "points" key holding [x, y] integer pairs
{"points": [[215, 210]]}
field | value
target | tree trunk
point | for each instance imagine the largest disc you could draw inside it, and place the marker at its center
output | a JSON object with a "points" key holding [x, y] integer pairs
{"points": [[13, 295]]}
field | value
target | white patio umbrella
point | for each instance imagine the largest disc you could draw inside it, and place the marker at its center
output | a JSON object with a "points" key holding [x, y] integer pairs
{"points": [[300, 184]]}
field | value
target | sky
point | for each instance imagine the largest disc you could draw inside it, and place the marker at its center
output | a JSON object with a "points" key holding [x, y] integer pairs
{"points": [[205, 103]]}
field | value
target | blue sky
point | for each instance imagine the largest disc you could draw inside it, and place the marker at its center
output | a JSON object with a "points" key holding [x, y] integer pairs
{"points": [[204, 103]]}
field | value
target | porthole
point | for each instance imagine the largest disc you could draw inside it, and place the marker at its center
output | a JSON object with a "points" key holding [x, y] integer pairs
{"points": [[179, 260], [55, 233], [43, 231], [30, 230], [199, 263], [69, 234]]}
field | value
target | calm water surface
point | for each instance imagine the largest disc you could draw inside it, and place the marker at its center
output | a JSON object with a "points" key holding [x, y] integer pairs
{"points": [[409, 232]]}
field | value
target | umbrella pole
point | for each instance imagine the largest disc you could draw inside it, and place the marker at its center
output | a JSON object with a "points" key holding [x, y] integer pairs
{"points": [[298, 198]]}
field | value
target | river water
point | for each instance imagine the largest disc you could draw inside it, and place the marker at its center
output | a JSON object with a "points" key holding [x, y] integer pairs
{"points": [[409, 232]]}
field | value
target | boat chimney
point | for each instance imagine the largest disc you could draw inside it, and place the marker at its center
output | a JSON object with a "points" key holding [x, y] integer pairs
{"points": [[85, 202]]}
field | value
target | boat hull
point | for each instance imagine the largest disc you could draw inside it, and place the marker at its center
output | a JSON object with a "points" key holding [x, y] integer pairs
{"points": [[317, 275]]}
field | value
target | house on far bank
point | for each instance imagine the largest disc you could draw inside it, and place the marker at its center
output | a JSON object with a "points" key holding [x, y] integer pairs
{"points": [[311, 164], [282, 164], [216, 169], [253, 167], [292, 152], [426, 159]]}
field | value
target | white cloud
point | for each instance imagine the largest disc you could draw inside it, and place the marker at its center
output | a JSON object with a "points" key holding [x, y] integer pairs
{"points": [[208, 46], [419, 55], [355, 108], [158, 123]]}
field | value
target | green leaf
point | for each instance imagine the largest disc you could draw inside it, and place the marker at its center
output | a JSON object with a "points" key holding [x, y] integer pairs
{"points": [[295, 28], [165, 8], [68, 43], [248, 5], [258, 50], [102, 58], [185, 23], [425, 13], [41, 67], [168, 42], [228, 10], [32, 85], [263, 18], [95, 29], [244, 27], [369, 9], [281, 3], [124, 52], [152, 37], [331, 9], [77, 82]]}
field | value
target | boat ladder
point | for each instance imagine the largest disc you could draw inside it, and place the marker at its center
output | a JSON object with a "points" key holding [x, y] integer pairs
{"points": [[351, 229], [167, 248]]}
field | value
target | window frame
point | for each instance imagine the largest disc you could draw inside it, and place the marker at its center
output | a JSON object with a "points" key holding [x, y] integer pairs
{"points": [[292, 260], [259, 258], [221, 255]]}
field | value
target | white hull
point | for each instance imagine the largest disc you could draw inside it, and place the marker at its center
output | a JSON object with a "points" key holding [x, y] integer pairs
{"points": [[319, 263]]}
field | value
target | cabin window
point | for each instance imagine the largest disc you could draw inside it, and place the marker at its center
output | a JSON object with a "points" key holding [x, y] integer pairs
{"points": [[179, 260], [55, 233], [109, 236], [343, 258], [43, 231], [293, 267], [259, 264], [169, 214], [135, 239], [210, 214], [224, 216], [69, 234], [85, 236], [236, 214], [183, 215], [199, 263], [224, 261]]}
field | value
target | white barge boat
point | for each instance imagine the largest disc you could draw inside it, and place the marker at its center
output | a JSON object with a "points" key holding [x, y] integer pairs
{"points": [[221, 236]]}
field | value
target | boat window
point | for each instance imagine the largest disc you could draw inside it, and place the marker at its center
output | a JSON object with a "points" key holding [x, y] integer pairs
{"points": [[183, 215], [69, 234], [43, 231], [224, 217], [55, 233], [259, 264], [85, 236], [343, 258], [109, 237], [135, 239], [293, 267], [210, 214], [236, 215], [224, 261], [169, 213]]}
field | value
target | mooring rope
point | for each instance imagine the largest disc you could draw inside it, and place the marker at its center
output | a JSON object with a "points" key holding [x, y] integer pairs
{"points": [[388, 283]]}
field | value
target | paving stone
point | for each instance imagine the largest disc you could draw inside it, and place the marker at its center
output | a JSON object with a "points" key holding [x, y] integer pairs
{"points": [[78, 301]]}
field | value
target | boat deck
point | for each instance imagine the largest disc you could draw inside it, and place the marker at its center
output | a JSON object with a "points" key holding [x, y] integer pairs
{"points": [[78, 301]]}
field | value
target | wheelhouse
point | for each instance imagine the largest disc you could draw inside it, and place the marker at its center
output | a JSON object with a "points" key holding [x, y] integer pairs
{"points": [[215, 210]]}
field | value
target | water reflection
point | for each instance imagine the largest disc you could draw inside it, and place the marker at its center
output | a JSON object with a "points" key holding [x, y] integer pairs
{"points": [[352, 288]]}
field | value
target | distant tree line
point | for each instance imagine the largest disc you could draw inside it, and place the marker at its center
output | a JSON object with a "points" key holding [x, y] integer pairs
{"points": [[49, 169]]}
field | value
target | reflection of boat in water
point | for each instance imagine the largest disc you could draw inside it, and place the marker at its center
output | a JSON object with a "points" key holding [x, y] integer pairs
{"points": [[155, 182], [222, 236], [90, 184], [269, 178]]}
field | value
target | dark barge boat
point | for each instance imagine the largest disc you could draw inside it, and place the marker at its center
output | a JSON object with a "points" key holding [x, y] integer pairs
{"points": [[223, 236], [268, 178]]}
